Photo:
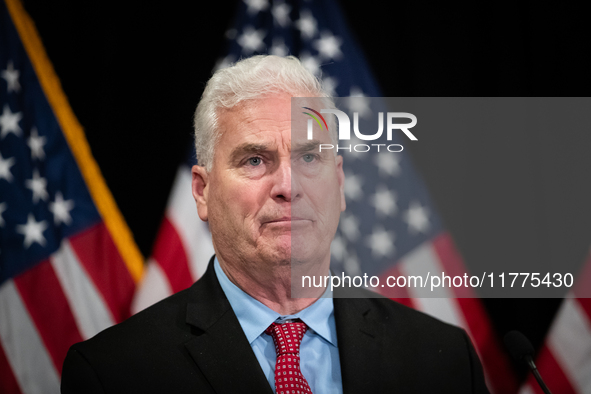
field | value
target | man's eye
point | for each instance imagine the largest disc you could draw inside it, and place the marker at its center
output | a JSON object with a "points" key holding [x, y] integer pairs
{"points": [[254, 161], [308, 158]]}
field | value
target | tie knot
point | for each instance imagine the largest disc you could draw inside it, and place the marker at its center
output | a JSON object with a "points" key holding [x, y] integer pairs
{"points": [[287, 336]]}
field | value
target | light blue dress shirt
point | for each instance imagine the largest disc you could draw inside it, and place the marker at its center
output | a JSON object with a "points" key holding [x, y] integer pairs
{"points": [[319, 353]]}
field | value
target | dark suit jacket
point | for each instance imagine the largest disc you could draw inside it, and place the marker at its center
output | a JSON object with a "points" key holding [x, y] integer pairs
{"points": [[192, 342]]}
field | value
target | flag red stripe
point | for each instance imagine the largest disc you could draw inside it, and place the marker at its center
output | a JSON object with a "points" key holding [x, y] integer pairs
{"points": [[48, 307], [101, 259], [170, 254], [552, 373], [8, 383], [495, 362], [582, 288], [585, 305], [405, 301]]}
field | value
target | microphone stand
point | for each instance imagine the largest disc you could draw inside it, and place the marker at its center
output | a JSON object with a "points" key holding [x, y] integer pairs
{"points": [[532, 366]]}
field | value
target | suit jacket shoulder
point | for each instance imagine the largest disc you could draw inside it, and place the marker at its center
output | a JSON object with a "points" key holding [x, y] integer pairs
{"points": [[393, 347], [189, 342]]}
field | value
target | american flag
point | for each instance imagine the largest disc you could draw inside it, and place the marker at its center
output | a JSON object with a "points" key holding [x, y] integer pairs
{"points": [[565, 359], [68, 263], [398, 231]]}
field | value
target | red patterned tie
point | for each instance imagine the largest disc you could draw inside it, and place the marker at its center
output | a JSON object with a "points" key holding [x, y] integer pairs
{"points": [[288, 376]]}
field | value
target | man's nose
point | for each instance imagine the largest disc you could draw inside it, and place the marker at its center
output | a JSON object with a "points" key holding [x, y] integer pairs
{"points": [[282, 183]]}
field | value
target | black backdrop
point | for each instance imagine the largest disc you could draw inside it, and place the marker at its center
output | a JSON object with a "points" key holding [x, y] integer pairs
{"points": [[134, 74]]}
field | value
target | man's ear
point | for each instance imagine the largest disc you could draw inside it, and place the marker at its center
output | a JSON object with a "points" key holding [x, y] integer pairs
{"points": [[341, 180], [200, 188]]}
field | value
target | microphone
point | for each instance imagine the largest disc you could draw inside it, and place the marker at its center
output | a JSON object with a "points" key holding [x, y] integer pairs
{"points": [[522, 350]]}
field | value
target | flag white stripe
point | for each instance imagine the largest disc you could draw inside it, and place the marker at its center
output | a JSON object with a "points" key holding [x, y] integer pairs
{"points": [[153, 288], [87, 304], [439, 303], [194, 233], [28, 357], [526, 389], [570, 343]]}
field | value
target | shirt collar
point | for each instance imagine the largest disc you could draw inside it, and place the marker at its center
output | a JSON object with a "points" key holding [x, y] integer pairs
{"points": [[255, 317]]}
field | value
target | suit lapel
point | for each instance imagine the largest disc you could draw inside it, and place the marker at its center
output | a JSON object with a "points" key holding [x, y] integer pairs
{"points": [[219, 347], [360, 352], [222, 352]]}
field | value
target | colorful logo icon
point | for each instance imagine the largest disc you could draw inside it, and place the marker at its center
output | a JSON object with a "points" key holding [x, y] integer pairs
{"points": [[315, 118]]}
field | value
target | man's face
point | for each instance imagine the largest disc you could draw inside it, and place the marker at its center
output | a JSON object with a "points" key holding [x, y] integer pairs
{"points": [[268, 199]]}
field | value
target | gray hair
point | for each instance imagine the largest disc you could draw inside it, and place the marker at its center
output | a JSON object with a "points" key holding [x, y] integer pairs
{"points": [[251, 78]]}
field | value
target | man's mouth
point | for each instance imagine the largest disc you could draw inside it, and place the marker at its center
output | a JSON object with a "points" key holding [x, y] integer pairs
{"points": [[286, 219]]}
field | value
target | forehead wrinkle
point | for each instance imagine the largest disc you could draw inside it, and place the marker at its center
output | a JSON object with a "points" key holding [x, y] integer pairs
{"points": [[251, 120], [249, 147], [307, 146]]}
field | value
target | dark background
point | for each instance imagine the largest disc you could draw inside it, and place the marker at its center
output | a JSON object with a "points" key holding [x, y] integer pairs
{"points": [[134, 75]]}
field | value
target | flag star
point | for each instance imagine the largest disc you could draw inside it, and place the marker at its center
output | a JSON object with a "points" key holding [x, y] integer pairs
{"points": [[224, 62], [353, 189], [38, 186], [338, 248], [381, 242], [351, 264], [279, 48], [328, 46], [36, 144], [9, 122], [5, 165], [384, 201], [231, 34], [359, 102], [3, 208], [388, 164], [281, 14], [349, 226], [329, 84], [307, 24], [251, 40], [11, 76], [61, 209], [417, 218], [256, 6], [311, 63], [33, 231]]}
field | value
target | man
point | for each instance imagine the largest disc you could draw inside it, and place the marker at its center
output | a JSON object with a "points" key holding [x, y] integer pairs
{"points": [[272, 201]]}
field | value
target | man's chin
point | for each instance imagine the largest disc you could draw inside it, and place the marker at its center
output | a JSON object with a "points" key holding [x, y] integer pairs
{"points": [[277, 253], [296, 247]]}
